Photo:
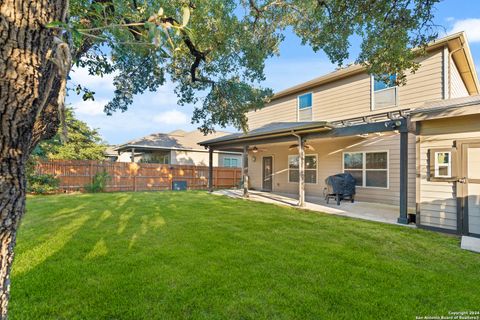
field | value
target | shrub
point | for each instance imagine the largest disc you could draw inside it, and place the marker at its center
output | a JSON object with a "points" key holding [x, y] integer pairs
{"points": [[99, 183], [41, 183]]}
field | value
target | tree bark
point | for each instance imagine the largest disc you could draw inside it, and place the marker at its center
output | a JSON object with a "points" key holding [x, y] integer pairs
{"points": [[32, 75]]}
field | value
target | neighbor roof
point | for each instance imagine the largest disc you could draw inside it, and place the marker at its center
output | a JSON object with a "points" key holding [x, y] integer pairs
{"points": [[177, 139], [462, 57], [110, 151], [272, 129]]}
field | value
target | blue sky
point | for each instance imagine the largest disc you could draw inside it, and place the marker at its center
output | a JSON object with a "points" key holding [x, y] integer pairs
{"points": [[158, 111]]}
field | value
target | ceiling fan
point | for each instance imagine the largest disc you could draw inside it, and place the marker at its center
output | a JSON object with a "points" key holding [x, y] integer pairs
{"points": [[307, 146], [256, 149]]}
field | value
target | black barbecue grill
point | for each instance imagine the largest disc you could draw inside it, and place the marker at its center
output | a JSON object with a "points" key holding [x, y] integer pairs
{"points": [[340, 187]]}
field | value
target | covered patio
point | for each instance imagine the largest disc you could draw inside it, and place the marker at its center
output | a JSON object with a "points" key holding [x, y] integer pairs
{"points": [[360, 210], [297, 138]]}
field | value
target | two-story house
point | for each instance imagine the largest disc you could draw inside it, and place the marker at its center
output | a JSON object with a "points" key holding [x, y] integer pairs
{"points": [[415, 146]]}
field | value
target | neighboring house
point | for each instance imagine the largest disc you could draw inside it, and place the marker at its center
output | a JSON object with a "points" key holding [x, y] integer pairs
{"points": [[110, 154], [176, 147], [416, 146]]}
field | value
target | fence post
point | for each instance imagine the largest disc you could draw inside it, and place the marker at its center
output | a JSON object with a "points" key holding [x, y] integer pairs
{"points": [[91, 172]]}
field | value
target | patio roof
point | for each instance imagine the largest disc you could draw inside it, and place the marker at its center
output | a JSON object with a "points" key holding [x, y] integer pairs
{"points": [[289, 131], [276, 129], [303, 131]]}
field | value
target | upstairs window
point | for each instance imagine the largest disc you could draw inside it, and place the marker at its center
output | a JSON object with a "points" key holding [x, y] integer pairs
{"points": [[305, 102], [384, 93]]}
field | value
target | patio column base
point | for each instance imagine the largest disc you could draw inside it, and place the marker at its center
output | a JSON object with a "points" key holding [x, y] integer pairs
{"points": [[402, 220]]}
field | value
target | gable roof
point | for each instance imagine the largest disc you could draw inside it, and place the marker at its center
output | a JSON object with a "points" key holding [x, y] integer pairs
{"points": [[457, 43], [177, 139]]}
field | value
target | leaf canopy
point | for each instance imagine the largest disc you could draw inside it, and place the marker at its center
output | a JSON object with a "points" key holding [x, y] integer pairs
{"points": [[214, 51]]}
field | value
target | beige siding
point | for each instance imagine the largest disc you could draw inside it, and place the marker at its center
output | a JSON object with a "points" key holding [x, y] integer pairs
{"points": [[345, 98], [437, 200], [329, 154], [458, 88], [192, 158], [281, 110], [424, 85], [351, 97]]}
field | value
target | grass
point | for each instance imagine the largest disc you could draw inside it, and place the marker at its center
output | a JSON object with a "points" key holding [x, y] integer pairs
{"points": [[199, 256]]}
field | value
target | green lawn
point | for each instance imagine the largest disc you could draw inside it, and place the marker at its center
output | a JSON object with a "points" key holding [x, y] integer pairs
{"points": [[193, 255]]}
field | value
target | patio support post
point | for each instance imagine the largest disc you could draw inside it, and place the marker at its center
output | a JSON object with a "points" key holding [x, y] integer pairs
{"points": [[245, 171], [301, 172], [210, 169], [403, 178], [132, 156]]}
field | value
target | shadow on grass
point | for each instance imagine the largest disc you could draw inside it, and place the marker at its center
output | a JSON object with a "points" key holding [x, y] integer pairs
{"points": [[193, 255]]}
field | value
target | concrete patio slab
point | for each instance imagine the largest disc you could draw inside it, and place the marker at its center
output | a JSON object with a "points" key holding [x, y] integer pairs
{"points": [[361, 210]]}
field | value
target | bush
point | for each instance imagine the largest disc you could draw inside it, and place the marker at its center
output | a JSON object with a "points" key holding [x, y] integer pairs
{"points": [[98, 184], [41, 183]]}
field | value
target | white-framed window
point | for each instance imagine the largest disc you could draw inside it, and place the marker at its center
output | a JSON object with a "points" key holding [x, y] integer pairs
{"points": [[443, 164], [230, 162], [164, 159], [369, 168], [305, 106], [384, 95], [310, 168]]}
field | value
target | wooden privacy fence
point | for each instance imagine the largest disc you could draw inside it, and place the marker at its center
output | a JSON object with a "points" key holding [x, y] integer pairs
{"points": [[73, 175]]}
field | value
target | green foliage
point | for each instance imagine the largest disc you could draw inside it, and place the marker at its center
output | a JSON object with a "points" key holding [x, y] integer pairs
{"points": [[215, 50], [42, 183], [83, 143], [99, 183]]}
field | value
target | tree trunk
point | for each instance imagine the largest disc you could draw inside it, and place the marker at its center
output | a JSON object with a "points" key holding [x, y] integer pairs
{"points": [[12, 206], [32, 77]]}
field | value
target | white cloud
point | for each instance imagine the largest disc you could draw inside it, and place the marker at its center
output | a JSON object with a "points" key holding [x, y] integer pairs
{"points": [[470, 26], [172, 117], [283, 73], [89, 107], [95, 83]]}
